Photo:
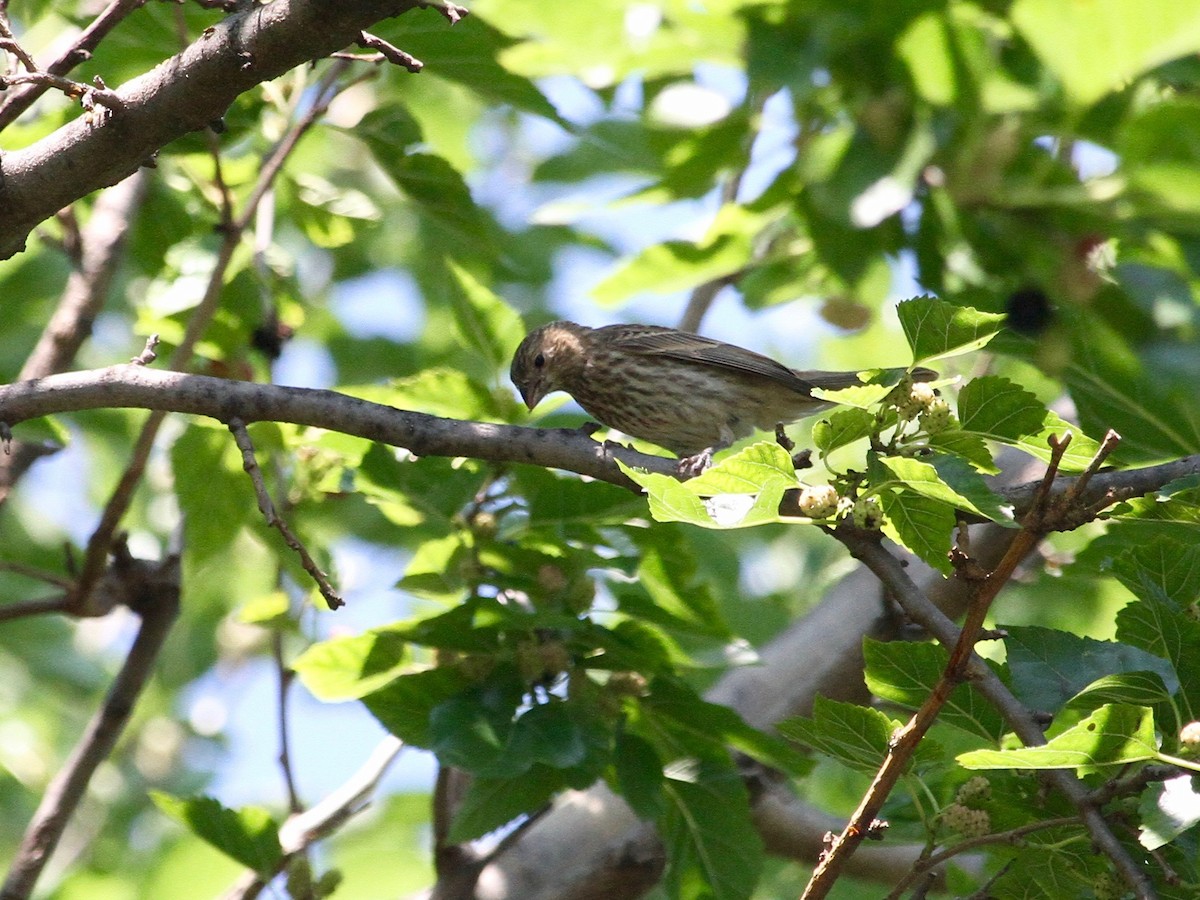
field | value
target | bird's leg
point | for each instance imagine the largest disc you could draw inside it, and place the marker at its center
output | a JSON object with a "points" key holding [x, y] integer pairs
{"points": [[590, 428], [696, 464]]}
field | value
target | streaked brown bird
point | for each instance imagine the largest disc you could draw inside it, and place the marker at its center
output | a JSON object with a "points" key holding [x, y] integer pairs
{"points": [[688, 393]]}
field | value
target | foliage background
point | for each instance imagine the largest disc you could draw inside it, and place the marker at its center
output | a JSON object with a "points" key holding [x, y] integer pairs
{"points": [[788, 168]]}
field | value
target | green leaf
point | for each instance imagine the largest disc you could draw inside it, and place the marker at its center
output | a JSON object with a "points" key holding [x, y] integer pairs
{"points": [[680, 265], [713, 849], [388, 129], [1155, 625], [266, 609], [905, 672], [559, 501], [1112, 735], [1179, 511], [842, 427], [968, 446], [1048, 667], [948, 480], [856, 736], [439, 193], [450, 393], [215, 495], [468, 54], [346, 668], [761, 465], [708, 729], [1134, 688], [997, 409], [672, 587], [403, 706], [248, 835], [675, 501], [936, 329], [484, 321], [922, 524], [1169, 564], [639, 774], [1095, 46], [435, 570], [492, 802]]}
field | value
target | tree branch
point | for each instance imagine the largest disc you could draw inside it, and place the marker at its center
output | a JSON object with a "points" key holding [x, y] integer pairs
{"points": [[133, 387], [267, 507], [303, 829], [890, 571], [181, 95], [234, 227], [152, 591]]}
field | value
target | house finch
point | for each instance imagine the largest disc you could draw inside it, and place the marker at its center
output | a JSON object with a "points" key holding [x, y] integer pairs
{"points": [[688, 393]]}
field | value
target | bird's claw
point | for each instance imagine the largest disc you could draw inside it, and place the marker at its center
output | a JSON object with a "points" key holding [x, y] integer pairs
{"points": [[802, 459], [782, 439], [590, 428], [691, 466]]}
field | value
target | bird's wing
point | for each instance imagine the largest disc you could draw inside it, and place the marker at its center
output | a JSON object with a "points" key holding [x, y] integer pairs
{"points": [[655, 341]]}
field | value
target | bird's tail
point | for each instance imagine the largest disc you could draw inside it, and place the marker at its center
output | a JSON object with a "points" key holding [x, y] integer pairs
{"points": [[835, 381]]}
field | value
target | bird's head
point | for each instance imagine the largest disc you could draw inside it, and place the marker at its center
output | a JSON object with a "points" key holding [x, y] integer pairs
{"points": [[545, 358]]}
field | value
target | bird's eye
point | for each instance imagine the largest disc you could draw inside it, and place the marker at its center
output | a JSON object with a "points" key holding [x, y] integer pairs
{"points": [[539, 361]]}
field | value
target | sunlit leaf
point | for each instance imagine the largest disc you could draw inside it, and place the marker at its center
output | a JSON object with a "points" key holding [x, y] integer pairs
{"points": [[1112, 735], [936, 329], [250, 835]]}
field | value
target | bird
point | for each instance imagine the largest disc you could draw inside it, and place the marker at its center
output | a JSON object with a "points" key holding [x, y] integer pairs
{"points": [[690, 394]]}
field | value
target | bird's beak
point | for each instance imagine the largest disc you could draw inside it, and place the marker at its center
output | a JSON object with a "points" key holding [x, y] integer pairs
{"points": [[533, 393]]}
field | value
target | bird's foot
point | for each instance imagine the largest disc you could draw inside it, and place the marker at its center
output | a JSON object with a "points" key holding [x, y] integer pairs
{"points": [[590, 428], [691, 466]]}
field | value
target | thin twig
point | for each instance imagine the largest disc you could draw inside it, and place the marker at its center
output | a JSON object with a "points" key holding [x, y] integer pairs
{"points": [[17, 101], [147, 355], [927, 865], [242, 437], [20, 568], [26, 608], [452, 12], [285, 678], [88, 94], [9, 43], [390, 52]]}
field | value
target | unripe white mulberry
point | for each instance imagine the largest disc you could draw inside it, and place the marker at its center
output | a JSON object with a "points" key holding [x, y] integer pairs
{"points": [[867, 513], [818, 501]]}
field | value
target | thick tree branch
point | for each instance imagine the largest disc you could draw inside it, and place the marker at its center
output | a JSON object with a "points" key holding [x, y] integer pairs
{"points": [[133, 387], [139, 387], [181, 95]]}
